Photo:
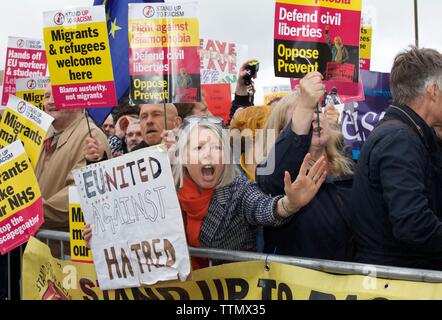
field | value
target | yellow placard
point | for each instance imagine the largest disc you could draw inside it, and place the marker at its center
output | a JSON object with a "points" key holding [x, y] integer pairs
{"points": [[36, 97], [32, 90], [78, 54], [19, 186], [366, 41], [354, 5], [79, 251], [163, 33], [26, 122], [45, 277]]}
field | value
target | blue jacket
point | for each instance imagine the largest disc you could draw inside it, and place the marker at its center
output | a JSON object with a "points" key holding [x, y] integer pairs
{"points": [[320, 229], [396, 213]]}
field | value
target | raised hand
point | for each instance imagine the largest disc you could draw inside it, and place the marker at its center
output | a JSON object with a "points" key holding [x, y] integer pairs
{"points": [[87, 235], [93, 150], [306, 186], [332, 115], [311, 90]]}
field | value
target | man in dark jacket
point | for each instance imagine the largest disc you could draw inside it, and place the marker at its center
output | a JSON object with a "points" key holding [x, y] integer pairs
{"points": [[394, 213]]}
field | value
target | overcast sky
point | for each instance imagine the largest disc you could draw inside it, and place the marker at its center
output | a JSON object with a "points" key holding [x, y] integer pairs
{"points": [[250, 22]]}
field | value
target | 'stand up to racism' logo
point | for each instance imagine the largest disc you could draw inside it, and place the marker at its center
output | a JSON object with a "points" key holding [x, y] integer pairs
{"points": [[149, 11], [20, 43], [59, 18], [31, 84], [21, 107]]}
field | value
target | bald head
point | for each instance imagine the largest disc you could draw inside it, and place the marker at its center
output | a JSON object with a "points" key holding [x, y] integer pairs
{"points": [[152, 121]]}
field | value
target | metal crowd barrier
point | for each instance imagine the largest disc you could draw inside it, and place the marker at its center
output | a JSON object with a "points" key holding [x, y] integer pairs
{"points": [[333, 267]]}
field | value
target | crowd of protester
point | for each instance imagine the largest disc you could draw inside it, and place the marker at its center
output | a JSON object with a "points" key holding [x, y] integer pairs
{"points": [[301, 194]]}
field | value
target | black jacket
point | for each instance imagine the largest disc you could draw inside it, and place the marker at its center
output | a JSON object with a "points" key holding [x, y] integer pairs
{"points": [[395, 215], [142, 145], [320, 229]]}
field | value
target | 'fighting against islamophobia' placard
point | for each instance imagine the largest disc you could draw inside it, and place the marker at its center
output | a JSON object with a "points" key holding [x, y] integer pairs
{"points": [[138, 231], [322, 36], [21, 205], [25, 58], [79, 59], [32, 90], [21, 120], [164, 53]]}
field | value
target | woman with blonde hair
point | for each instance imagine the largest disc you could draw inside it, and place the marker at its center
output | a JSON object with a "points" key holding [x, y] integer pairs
{"points": [[321, 229], [220, 208], [245, 127]]}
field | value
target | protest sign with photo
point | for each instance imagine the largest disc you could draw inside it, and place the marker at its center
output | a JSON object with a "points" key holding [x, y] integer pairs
{"points": [[32, 90], [25, 58], [21, 205], [220, 61], [21, 120], [164, 55], [79, 59], [138, 231], [319, 36], [79, 251]]}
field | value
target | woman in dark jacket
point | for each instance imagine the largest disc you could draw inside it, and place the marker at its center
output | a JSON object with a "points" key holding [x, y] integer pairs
{"points": [[321, 229]]}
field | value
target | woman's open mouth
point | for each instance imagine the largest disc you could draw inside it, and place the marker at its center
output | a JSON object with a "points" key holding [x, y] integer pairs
{"points": [[208, 171]]}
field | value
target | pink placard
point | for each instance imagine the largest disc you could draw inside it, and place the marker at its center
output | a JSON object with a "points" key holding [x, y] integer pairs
{"points": [[25, 58]]}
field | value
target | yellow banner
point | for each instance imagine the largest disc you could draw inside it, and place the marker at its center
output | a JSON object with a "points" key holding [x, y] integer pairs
{"points": [[78, 54], [163, 33], [79, 251], [26, 122], [354, 5], [45, 277]]}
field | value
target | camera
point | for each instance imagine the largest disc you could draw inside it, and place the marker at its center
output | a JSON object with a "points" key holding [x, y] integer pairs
{"points": [[251, 69]]}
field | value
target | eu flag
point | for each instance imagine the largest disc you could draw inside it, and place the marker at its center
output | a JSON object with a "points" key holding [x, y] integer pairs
{"points": [[117, 20]]}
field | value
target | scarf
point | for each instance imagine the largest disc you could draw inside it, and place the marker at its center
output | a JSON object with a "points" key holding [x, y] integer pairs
{"points": [[195, 206]]}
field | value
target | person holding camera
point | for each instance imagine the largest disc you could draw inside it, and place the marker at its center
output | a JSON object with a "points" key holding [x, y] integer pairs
{"points": [[245, 90]]}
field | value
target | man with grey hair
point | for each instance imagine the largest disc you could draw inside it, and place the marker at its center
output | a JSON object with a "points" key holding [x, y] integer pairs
{"points": [[396, 213], [154, 122]]}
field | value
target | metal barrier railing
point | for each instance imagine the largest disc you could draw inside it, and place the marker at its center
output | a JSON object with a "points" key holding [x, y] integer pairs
{"points": [[334, 267]]}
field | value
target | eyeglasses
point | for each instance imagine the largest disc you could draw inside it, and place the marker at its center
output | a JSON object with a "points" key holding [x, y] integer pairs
{"points": [[201, 120]]}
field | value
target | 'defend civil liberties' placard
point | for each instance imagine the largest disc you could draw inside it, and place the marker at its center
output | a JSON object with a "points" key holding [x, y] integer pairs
{"points": [[164, 63], [322, 36], [25, 58], [21, 205], [137, 225], [79, 59]]}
